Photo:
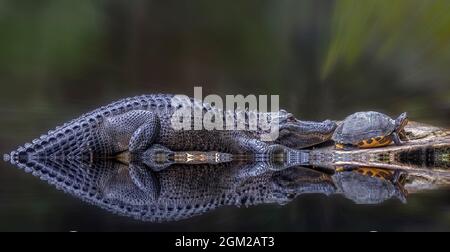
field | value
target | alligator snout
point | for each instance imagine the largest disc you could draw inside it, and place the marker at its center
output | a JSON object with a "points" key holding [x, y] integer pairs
{"points": [[328, 127], [300, 134]]}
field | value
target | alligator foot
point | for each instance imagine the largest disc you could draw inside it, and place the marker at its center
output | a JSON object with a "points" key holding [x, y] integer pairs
{"points": [[146, 180], [131, 184], [134, 131], [157, 157], [282, 158], [275, 155]]}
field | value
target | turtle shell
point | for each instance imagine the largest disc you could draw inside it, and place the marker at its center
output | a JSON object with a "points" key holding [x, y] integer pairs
{"points": [[363, 126]]}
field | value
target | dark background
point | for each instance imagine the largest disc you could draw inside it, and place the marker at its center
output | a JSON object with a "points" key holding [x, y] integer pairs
{"points": [[326, 59]]}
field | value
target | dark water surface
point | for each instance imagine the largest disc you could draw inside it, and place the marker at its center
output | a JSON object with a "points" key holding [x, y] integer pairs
{"points": [[29, 204]]}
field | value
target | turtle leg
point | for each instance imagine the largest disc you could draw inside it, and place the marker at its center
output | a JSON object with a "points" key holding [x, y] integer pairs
{"points": [[403, 135], [396, 138], [398, 176], [134, 131], [399, 180], [344, 168], [345, 147]]}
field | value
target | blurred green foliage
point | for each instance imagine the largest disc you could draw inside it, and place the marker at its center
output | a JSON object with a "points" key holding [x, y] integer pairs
{"points": [[416, 33], [47, 37], [410, 38], [323, 57]]}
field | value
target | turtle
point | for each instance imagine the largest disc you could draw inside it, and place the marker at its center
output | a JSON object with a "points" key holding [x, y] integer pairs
{"points": [[368, 188], [369, 129]]}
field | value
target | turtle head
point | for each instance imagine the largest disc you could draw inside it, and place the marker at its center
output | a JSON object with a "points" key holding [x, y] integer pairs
{"points": [[401, 122]]}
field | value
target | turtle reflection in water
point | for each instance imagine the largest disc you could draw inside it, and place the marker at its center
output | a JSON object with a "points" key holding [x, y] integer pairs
{"points": [[369, 185]]}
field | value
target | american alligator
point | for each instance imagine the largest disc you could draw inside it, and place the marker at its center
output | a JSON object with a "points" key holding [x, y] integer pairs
{"points": [[184, 191], [135, 124]]}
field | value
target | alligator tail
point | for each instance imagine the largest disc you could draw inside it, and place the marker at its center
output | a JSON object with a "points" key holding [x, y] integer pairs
{"points": [[16, 157]]}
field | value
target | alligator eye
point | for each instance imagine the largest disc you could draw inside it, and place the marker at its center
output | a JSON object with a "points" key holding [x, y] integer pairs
{"points": [[291, 118]]}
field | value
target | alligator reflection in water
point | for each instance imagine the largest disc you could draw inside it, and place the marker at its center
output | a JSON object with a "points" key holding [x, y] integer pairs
{"points": [[182, 191]]}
